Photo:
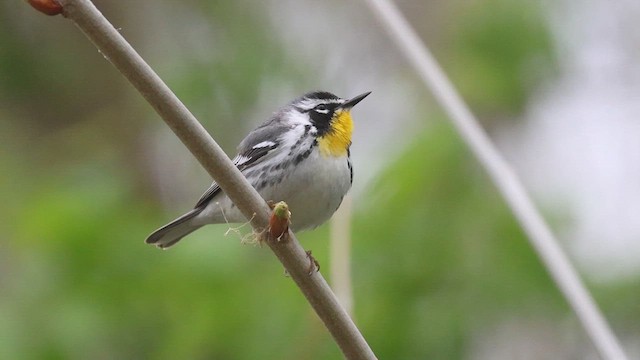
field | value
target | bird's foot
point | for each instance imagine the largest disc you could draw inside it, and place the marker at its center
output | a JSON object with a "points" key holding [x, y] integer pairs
{"points": [[314, 265]]}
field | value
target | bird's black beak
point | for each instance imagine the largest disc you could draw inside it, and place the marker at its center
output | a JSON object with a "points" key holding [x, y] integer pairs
{"points": [[352, 102]]}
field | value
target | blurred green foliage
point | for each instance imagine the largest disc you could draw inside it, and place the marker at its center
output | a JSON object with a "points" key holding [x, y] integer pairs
{"points": [[500, 49], [457, 254], [437, 257]]}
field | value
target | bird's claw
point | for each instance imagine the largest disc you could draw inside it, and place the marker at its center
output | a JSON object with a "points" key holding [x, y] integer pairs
{"points": [[314, 265]]}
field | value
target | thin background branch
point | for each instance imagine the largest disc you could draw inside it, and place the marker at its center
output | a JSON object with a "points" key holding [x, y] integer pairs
{"points": [[340, 254], [116, 49], [514, 193]]}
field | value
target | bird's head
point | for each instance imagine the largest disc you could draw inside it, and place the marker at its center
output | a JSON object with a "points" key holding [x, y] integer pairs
{"points": [[331, 118]]}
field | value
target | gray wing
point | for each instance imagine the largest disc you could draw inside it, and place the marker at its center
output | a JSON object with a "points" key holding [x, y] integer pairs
{"points": [[260, 142]]}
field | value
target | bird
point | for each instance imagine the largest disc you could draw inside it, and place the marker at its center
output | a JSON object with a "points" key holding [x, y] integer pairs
{"points": [[300, 155]]}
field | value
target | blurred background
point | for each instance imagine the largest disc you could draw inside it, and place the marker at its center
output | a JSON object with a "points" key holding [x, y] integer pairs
{"points": [[440, 268]]}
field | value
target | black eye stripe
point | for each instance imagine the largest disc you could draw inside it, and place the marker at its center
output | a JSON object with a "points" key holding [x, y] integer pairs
{"points": [[321, 120]]}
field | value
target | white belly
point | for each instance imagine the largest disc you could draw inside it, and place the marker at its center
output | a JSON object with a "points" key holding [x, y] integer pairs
{"points": [[313, 190]]}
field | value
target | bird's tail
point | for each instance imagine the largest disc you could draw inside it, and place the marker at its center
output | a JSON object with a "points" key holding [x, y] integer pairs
{"points": [[171, 233]]}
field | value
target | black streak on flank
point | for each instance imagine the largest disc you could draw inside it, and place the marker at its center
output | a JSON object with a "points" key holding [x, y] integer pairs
{"points": [[302, 138], [304, 154], [350, 166]]}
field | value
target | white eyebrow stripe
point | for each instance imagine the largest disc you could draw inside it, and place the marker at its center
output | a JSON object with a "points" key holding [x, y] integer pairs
{"points": [[263, 144], [309, 104]]}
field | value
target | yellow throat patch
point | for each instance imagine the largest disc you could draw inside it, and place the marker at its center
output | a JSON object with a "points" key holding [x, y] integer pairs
{"points": [[338, 139]]}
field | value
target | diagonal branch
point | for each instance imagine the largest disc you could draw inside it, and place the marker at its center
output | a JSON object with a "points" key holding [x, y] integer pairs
{"points": [[116, 49], [505, 180]]}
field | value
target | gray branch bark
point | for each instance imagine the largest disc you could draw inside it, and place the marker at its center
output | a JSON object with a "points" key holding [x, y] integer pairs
{"points": [[314, 287]]}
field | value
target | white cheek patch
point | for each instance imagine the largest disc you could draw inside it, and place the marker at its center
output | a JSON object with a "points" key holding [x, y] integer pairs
{"points": [[295, 118]]}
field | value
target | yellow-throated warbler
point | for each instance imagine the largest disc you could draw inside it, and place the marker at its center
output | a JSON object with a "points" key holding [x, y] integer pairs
{"points": [[300, 155]]}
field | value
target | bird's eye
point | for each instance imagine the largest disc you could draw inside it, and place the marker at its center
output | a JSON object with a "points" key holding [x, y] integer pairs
{"points": [[322, 108]]}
